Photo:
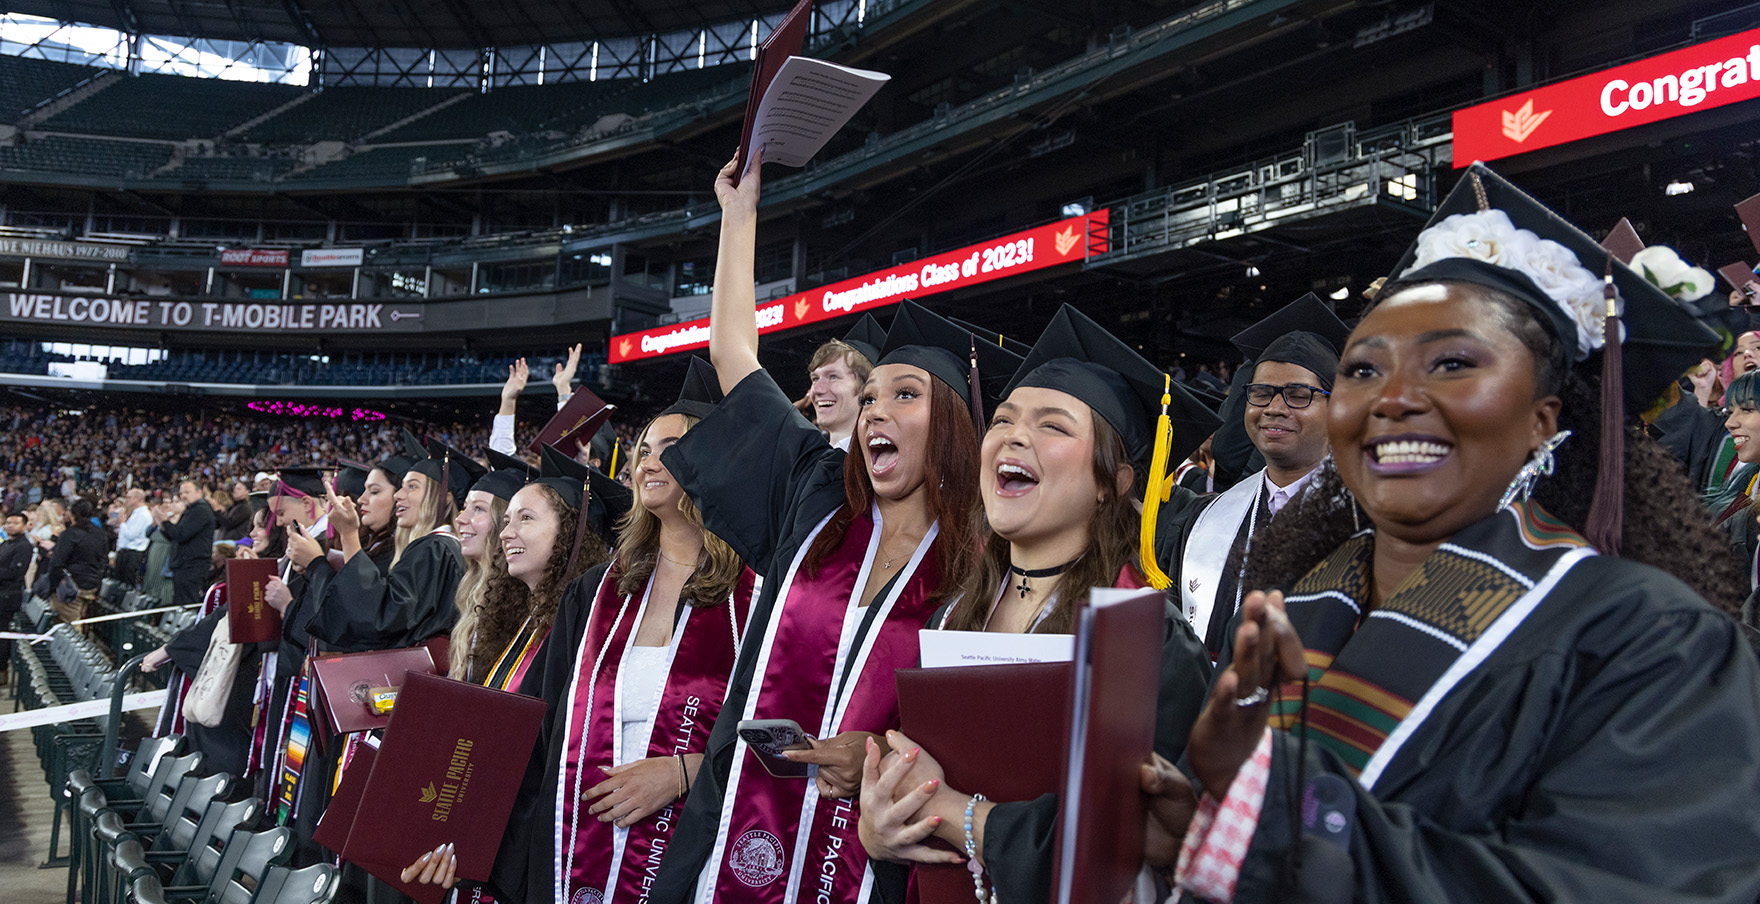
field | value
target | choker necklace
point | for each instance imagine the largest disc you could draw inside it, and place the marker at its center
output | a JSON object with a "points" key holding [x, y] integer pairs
{"points": [[1038, 573]]}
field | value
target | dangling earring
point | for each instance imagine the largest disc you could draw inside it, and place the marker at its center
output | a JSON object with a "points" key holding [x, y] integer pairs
{"points": [[1539, 464]]}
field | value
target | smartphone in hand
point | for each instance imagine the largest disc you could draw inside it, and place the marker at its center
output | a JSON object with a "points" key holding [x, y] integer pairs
{"points": [[768, 738]]}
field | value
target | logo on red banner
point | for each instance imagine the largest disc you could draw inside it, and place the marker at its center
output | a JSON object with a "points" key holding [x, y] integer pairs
{"points": [[1700, 77], [254, 257], [1023, 252]]}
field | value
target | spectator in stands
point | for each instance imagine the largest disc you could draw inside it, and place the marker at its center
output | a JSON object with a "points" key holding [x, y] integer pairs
{"points": [[131, 536], [80, 555], [188, 523], [15, 563], [235, 520]]}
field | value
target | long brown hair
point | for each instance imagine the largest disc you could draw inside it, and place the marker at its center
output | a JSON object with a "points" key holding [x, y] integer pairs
{"points": [[638, 548], [1112, 545], [507, 601], [951, 484]]}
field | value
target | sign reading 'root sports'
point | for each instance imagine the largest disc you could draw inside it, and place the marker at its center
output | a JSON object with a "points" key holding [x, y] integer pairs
{"points": [[1062, 242], [1700, 77]]}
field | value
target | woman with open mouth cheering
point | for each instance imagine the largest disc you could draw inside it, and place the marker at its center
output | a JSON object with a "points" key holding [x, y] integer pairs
{"points": [[854, 549]]}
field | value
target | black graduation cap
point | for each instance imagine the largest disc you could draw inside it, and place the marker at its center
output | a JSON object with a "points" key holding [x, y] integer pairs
{"points": [[700, 393], [993, 337], [456, 470], [351, 477], [566, 476], [1663, 339], [922, 338], [1212, 400], [1304, 332], [501, 483], [413, 448], [298, 482], [867, 336], [501, 461], [1078, 356]]}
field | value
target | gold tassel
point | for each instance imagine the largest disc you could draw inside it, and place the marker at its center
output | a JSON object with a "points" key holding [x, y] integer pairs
{"points": [[1157, 491]]}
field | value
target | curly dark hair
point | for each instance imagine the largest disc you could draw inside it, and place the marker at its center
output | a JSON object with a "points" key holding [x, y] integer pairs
{"points": [[1665, 524], [507, 601]]}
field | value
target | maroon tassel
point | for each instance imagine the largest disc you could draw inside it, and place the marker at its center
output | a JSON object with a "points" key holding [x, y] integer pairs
{"points": [[1607, 511], [977, 395]]}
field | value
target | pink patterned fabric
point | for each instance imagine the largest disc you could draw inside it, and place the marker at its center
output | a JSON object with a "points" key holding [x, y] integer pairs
{"points": [[1216, 845]]}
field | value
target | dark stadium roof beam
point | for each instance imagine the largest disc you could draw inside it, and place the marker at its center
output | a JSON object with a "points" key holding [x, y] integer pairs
{"points": [[296, 16]]}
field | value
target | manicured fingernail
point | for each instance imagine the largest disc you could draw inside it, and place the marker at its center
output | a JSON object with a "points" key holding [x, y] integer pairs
{"points": [[932, 784], [428, 856], [935, 819], [605, 769]]}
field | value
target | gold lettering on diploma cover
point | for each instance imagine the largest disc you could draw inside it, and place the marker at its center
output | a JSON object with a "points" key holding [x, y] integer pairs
{"points": [[458, 780]]}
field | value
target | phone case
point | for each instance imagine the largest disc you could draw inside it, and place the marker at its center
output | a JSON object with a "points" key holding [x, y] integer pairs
{"points": [[768, 738]]}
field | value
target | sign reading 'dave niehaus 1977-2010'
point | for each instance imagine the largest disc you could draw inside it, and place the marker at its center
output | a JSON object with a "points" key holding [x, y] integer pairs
{"points": [[88, 310], [79, 251]]}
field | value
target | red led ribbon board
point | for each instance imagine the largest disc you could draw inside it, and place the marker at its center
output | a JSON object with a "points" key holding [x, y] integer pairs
{"points": [[1062, 242], [1700, 77]]}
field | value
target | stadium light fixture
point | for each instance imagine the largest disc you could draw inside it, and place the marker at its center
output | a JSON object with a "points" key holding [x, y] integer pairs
{"points": [[1679, 187], [1343, 293]]}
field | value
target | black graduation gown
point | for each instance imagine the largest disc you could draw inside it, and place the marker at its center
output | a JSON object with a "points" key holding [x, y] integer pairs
{"points": [[1609, 750], [366, 608], [1170, 551], [228, 744], [1693, 435], [1020, 837], [763, 478], [524, 865]]}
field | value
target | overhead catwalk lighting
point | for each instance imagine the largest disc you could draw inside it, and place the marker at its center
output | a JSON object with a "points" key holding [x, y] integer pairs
{"points": [[1343, 293], [1252, 271], [1677, 188]]}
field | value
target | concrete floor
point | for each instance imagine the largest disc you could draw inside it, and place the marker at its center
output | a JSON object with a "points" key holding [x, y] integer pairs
{"points": [[25, 816]]}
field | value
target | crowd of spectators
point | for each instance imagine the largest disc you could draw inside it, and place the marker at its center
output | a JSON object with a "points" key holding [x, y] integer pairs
{"points": [[100, 452]]}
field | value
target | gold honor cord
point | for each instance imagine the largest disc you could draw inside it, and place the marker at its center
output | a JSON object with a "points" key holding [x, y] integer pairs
{"points": [[1156, 491]]}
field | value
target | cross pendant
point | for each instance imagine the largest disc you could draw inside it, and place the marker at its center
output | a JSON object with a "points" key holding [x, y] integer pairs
{"points": [[1023, 588]]}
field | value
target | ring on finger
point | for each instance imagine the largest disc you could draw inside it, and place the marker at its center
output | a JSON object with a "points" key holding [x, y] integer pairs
{"points": [[1259, 695]]}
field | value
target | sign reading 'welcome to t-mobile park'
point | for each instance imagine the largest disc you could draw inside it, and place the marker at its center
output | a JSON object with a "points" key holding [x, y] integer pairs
{"points": [[1713, 74], [98, 310], [1062, 242]]}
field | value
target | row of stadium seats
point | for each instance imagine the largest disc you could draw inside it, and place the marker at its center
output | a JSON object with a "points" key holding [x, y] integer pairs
{"points": [[271, 369], [152, 108], [86, 157], [171, 107], [26, 84]]}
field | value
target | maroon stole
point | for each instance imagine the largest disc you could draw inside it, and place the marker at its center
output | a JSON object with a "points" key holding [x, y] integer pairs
{"points": [[778, 840], [596, 861]]}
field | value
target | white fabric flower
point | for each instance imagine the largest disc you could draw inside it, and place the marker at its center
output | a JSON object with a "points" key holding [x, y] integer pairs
{"points": [[1667, 271], [1490, 236]]}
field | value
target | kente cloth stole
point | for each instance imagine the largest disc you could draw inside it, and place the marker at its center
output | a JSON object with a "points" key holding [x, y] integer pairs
{"points": [[1374, 677]]}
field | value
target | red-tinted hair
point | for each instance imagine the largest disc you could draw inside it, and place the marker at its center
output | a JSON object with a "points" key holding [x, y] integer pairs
{"points": [[951, 483]]}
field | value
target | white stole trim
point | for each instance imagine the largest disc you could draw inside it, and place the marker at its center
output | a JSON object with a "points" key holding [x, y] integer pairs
{"points": [[1476, 654], [1206, 554]]}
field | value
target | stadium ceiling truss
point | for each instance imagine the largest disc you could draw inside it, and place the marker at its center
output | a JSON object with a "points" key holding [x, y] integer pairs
{"points": [[448, 44]]}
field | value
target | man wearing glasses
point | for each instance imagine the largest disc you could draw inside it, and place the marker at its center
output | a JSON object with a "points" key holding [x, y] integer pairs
{"points": [[1293, 355]]}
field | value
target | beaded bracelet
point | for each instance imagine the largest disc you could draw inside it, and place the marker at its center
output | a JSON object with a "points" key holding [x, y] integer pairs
{"points": [[972, 855]]}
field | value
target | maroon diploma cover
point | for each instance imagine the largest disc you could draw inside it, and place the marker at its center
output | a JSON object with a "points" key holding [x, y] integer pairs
{"points": [[782, 43], [447, 772], [248, 614], [994, 728], [346, 681], [1112, 733]]}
